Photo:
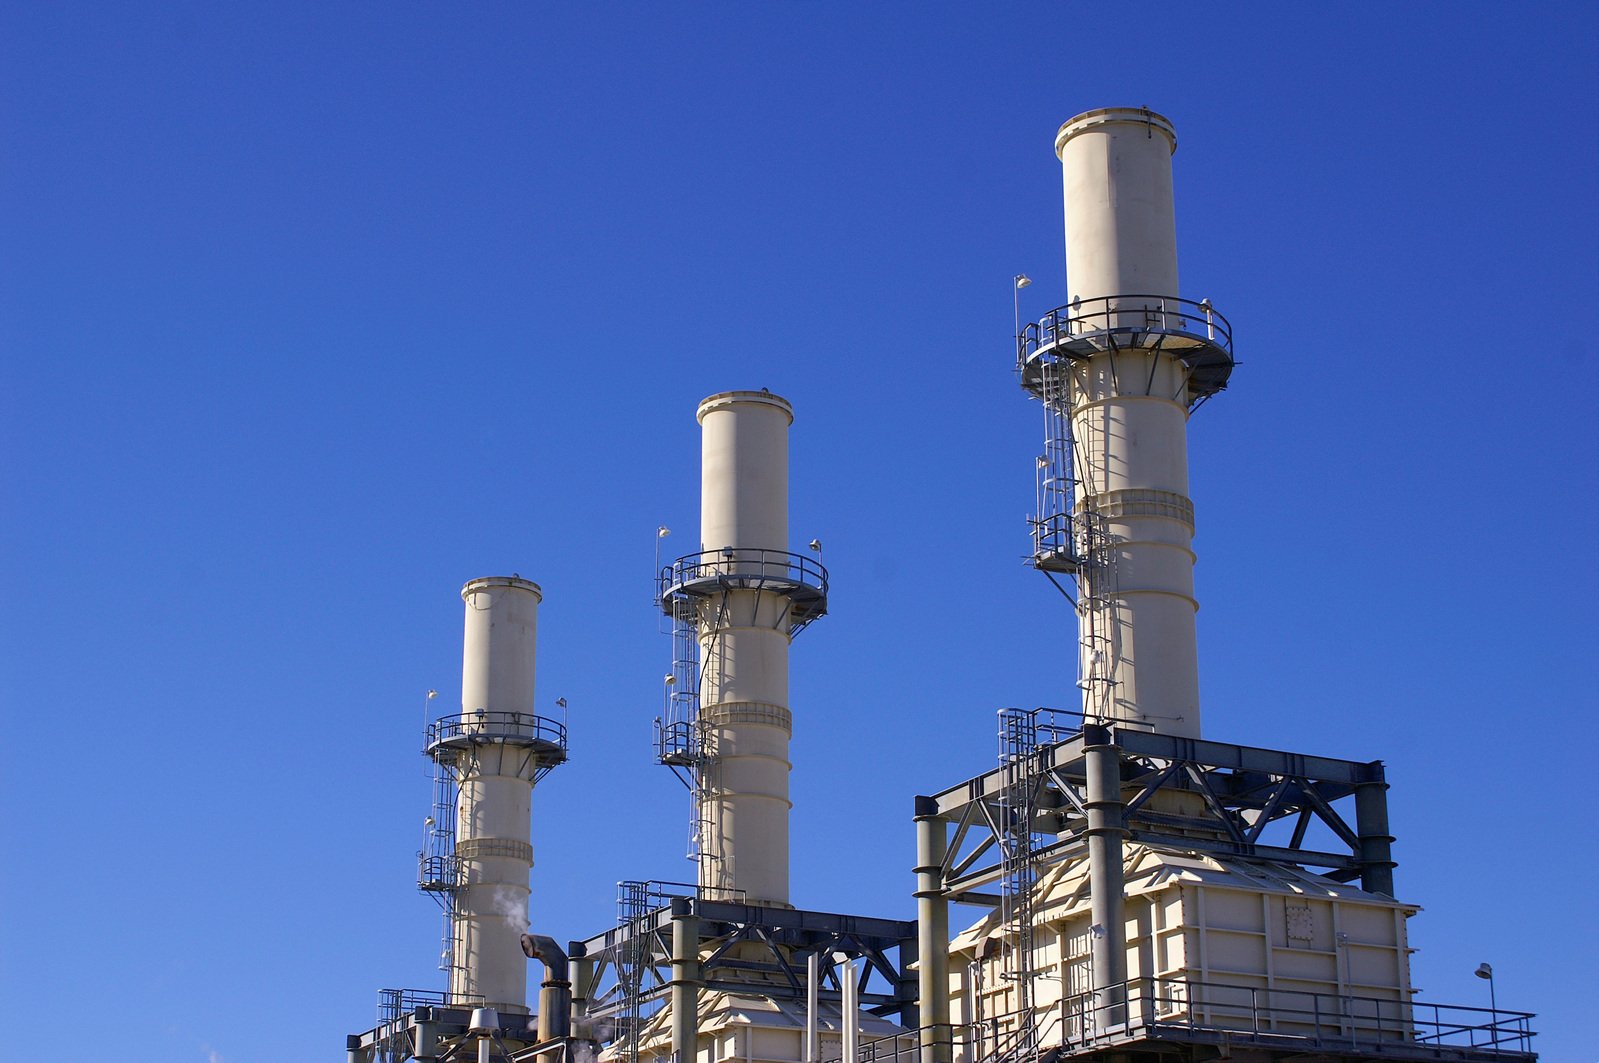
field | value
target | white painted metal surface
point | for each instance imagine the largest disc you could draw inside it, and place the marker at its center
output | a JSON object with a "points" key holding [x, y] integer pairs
{"points": [[744, 644], [495, 796], [1228, 943], [1129, 419]]}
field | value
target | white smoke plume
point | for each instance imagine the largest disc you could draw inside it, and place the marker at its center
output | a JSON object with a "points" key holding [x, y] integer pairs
{"points": [[510, 905]]}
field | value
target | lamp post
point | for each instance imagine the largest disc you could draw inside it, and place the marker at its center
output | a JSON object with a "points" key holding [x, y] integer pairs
{"points": [[1485, 970], [1018, 282]]}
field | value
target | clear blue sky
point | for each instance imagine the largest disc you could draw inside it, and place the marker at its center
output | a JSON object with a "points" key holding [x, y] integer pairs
{"points": [[312, 312]]}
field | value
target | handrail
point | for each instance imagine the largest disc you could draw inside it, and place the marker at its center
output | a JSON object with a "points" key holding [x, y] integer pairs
{"points": [[496, 724], [1303, 1014], [743, 563], [1141, 1006], [1086, 317]]}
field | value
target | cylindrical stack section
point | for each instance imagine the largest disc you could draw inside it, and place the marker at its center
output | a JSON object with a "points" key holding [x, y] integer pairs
{"points": [[1129, 398], [744, 634], [497, 754]]}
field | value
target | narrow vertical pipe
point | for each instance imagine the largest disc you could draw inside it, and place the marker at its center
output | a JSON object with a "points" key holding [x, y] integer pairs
{"points": [[1371, 824], [1105, 833], [813, 977], [685, 980], [850, 1009], [581, 968], [932, 940]]}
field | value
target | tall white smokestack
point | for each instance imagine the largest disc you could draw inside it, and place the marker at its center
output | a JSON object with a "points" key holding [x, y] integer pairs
{"points": [[745, 594], [497, 747], [1124, 361]]}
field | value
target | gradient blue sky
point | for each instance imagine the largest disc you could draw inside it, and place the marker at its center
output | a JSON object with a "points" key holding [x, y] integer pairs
{"points": [[312, 312]]}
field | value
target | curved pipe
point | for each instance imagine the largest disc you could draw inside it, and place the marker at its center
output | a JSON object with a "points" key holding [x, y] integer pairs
{"points": [[546, 951], [555, 993]]}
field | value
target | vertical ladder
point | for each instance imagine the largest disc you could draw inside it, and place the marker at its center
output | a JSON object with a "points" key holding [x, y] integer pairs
{"points": [[634, 901], [1018, 746], [438, 867], [1097, 602], [1054, 544]]}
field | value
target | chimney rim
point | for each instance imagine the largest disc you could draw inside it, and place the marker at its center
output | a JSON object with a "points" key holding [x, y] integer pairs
{"points": [[724, 399], [1103, 116], [483, 583]]}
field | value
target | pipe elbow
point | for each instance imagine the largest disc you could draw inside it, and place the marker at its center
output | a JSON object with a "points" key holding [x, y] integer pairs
{"points": [[546, 951]]}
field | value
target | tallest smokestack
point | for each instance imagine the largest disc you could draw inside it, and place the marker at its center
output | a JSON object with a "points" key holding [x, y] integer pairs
{"points": [[1119, 367]]}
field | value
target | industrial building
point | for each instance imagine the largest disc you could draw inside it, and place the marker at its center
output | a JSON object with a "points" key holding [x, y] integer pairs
{"points": [[1132, 889]]}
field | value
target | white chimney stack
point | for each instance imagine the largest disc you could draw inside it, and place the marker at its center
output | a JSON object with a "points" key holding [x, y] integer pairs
{"points": [[1120, 366], [497, 747], [744, 640]]}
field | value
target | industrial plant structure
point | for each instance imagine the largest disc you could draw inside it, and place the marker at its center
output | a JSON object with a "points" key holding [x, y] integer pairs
{"points": [[1142, 892]]}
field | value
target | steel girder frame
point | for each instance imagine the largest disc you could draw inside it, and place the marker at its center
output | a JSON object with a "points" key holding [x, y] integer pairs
{"points": [[1244, 790], [639, 953]]}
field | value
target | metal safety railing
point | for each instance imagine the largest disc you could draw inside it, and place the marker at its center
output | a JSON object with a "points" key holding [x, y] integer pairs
{"points": [[1267, 1015], [774, 567], [1126, 313], [496, 724], [394, 1004], [1178, 1009]]}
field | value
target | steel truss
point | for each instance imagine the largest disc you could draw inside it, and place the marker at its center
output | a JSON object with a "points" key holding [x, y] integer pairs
{"points": [[750, 950], [1247, 793]]}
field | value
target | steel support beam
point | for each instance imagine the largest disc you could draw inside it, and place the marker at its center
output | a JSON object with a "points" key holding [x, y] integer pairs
{"points": [[1376, 844], [685, 980], [1105, 834], [932, 938]]}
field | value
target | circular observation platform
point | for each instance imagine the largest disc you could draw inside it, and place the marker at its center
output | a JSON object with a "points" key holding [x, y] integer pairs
{"points": [[1193, 333], [544, 738], [695, 577]]}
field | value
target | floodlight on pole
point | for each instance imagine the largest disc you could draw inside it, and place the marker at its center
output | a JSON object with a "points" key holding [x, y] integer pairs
{"points": [[1018, 282], [1485, 970]]}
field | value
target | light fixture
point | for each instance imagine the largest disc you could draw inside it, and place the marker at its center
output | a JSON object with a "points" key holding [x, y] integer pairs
{"points": [[1017, 283], [1485, 970]]}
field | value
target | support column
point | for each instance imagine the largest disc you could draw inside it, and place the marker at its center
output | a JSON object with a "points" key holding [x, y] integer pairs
{"points": [[932, 938], [1106, 829], [685, 980], [1371, 823], [582, 973]]}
